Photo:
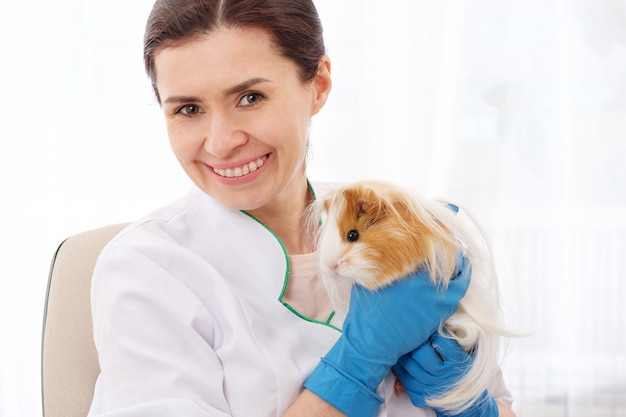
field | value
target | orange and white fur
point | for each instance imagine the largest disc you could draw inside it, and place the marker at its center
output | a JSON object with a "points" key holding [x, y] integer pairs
{"points": [[373, 233]]}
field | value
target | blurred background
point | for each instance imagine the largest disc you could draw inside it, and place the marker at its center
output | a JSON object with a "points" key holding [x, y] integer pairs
{"points": [[514, 110]]}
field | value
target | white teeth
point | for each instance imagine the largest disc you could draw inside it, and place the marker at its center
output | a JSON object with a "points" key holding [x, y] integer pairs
{"points": [[241, 171]]}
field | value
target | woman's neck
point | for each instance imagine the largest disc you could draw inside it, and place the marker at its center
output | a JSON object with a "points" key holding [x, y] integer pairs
{"points": [[285, 219]]}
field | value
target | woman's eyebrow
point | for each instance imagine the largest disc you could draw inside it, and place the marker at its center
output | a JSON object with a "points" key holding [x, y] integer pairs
{"points": [[241, 87], [181, 99]]}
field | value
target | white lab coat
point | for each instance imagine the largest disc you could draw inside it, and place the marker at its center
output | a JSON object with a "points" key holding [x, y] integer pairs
{"points": [[188, 320]]}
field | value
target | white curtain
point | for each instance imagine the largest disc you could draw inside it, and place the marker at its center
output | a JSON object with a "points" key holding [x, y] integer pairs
{"points": [[515, 110]]}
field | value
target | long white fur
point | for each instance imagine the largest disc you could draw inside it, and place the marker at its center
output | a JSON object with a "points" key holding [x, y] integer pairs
{"points": [[476, 325]]}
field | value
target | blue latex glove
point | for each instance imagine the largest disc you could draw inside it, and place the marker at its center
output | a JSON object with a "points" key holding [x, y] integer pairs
{"points": [[379, 328], [434, 367]]}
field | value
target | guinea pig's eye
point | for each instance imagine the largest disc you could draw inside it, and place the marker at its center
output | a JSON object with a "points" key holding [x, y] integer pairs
{"points": [[352, 236]]}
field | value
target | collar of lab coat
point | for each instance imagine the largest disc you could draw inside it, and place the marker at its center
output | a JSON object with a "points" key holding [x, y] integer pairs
{"points": [[250, 249]]}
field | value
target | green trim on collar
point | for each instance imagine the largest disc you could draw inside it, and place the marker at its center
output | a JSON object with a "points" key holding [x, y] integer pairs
{"points": [[309, 319], [288, 270], [311, 189], [282, 245]]}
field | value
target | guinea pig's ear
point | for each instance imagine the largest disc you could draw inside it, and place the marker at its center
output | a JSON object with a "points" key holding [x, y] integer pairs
{"points": [[364, 206], [371, 211]]}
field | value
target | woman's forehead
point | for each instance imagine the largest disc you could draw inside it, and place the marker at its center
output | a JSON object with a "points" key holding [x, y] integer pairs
{"points": [[221, 58]]}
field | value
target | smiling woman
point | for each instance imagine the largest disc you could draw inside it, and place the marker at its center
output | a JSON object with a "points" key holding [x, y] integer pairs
{"points": [[241, 109], [513, 109], [203, 291]]}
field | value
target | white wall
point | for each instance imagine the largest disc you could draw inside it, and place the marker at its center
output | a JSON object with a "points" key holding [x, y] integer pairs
{"points": [[515, 109]]}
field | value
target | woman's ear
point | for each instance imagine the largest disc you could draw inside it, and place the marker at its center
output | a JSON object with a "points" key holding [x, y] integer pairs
{"points": [[322, 84]]}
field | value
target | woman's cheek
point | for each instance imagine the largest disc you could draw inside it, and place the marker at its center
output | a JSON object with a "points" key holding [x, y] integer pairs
{"points": [[185, 139]]}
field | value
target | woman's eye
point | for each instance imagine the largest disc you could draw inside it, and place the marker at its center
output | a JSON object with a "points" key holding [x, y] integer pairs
{"points": [[189, 110], [249, 99]]}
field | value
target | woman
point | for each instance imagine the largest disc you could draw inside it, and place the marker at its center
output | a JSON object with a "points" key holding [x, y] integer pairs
{"points": [[211, 306]]}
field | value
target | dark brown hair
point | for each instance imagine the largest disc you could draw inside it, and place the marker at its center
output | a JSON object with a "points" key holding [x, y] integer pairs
{"points": [[294, 26]]}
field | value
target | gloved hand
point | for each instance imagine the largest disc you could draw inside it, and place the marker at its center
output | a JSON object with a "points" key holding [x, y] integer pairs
{"points": [[434, 367], [379, 328]]}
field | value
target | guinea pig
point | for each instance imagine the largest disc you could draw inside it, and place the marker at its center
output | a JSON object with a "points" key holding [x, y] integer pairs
{"points": [[373, 233]]}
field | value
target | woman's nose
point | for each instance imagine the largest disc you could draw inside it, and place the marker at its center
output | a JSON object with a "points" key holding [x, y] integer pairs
{"points": [[223, 136]]}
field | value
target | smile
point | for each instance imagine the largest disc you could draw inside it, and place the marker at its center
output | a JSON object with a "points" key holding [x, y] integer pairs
{"points": [[242, 170]]}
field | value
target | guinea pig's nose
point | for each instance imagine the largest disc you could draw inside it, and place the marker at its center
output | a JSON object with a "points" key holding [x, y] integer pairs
{"points": [[334, 265]]}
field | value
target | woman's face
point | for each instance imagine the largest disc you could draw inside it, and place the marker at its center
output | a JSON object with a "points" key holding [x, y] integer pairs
{"points": [[238, 116]]}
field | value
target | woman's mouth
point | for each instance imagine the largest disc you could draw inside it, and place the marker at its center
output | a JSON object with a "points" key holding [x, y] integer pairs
{"points": [[242, 170]]}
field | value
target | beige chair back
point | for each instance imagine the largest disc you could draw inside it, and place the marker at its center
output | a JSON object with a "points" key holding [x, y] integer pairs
{"points": [[69, 362]]}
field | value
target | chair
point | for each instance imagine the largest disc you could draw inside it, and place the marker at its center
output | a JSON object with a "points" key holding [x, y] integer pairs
{"points": [[69, 362]]}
